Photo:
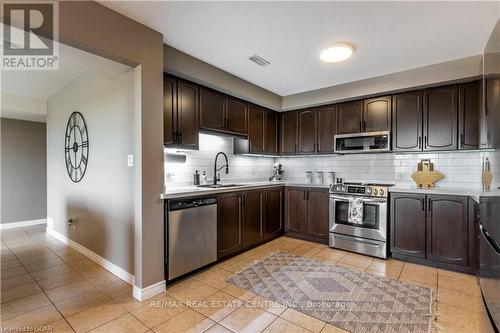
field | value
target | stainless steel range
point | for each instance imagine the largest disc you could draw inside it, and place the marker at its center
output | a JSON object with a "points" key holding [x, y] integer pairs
{"points": [[367, 234]]}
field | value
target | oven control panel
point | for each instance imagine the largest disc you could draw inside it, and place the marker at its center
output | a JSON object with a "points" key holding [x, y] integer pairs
{"points": [[371, 191]]}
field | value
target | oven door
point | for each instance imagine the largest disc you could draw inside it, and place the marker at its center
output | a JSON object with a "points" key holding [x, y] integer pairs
{"points": [[374, 224]]}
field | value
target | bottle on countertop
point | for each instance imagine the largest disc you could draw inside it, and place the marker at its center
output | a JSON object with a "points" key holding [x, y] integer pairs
{"points": [[196, 178], [204, 179]]}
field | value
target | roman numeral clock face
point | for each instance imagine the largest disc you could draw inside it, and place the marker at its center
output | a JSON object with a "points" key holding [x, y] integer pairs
{"points": [[76, 147]]}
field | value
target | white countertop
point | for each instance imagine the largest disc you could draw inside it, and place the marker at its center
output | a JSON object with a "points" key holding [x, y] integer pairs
{"points": [[192, 191], [474, 193]]}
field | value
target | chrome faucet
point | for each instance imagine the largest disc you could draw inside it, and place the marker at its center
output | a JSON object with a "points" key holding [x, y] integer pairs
{"points": [[217, 177]]}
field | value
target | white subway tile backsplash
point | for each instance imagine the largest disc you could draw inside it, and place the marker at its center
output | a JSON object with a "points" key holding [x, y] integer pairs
{"points": [[461, 169]]}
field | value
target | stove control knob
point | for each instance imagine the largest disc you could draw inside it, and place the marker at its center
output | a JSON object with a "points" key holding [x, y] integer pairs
{"points": [[338, 188], [381, 192], [375, 191], [369, 190], [343, 188]]}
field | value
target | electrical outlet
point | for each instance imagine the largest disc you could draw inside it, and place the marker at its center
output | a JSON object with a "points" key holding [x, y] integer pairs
{"points": [[130, 160]]}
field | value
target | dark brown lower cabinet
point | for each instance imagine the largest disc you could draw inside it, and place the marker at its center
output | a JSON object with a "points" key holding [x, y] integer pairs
{"points": [[447, 229], [434, 229], [408, 224], [273, 213], [306, 213], [246, 219], [252, 217], [229, 224]]}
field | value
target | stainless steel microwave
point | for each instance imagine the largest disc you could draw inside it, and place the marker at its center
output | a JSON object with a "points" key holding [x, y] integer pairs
{"points": [[363, 142]]}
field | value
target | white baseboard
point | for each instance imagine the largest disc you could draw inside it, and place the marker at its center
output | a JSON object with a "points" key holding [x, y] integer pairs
{"points": [[116, 270], [148, 292], [5, 226]]}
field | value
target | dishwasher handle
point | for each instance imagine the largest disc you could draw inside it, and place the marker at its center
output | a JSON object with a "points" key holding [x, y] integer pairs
{"points": [[179, 204]]}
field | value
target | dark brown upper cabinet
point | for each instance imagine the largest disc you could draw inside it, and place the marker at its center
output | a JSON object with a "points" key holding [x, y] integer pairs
{"points": [[187, 114], [169, 110], [408, 226], [326, 129], [440, 118], [236, 115], [490, 124], [377, 114], [447, 229], [271, 145], [212, 105], [349, 117], [223, 113], [180, 113], [289, 130], [407, 121], [469, 106], [256, 129], [307, 131]]}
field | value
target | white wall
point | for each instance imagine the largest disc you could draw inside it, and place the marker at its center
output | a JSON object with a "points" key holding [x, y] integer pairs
{"points": [[241, 168], [103, 202], [461, 169]]}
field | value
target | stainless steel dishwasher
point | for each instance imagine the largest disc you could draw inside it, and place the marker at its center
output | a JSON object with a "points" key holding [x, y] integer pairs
{"points": [[191, 235]]}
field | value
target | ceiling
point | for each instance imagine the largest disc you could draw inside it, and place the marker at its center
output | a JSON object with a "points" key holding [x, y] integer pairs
{"points": [[25, 92], [388, 36]]}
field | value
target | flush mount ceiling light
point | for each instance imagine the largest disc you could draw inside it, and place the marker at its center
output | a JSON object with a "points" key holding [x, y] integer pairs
{"points": [[336, 52]]}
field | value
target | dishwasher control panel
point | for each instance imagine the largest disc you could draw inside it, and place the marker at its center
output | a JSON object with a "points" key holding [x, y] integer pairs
{"points": [[191, 203]]}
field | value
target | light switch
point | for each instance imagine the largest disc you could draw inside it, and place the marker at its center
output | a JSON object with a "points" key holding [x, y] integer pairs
{"points": [[130, 160]]}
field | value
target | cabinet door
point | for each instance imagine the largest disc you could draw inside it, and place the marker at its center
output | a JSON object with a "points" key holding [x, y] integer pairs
{"points": [[229, 224], [273, 213], [169, 110], [212, 115], [469, 104], [289, 129], [252, 217], [295, 213], [317, 221], [407, 121], [187, 114], [349, 117], [490, 124], [236, 115], [307, 131], [408, 224], [326, 129], [377, 114], [447, 229], [256, 129], [271, 133], [440, 118]]}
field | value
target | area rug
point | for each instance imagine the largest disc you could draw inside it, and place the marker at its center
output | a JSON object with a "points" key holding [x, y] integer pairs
{"points": [[354, 301]]}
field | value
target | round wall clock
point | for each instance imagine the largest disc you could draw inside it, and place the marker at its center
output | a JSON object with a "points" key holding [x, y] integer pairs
{"points": [[76, 147]]}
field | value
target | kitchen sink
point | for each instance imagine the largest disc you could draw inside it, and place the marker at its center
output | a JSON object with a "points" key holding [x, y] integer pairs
{"points": [[219, 185]]}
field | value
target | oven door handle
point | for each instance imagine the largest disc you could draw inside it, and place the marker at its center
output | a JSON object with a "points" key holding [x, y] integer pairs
{"points": [[365, 200]]}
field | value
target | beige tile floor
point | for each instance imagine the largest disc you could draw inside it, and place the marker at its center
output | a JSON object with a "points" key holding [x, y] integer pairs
{"points": [[50, 287]]}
